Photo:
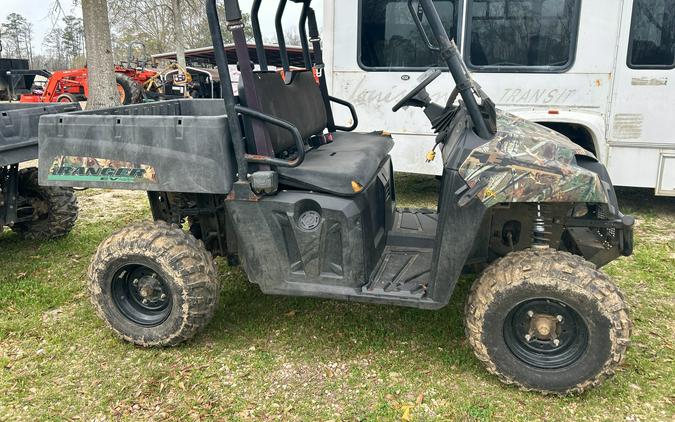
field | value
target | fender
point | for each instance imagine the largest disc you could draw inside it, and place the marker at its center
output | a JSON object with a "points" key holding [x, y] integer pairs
{"points": [[527, 162]]}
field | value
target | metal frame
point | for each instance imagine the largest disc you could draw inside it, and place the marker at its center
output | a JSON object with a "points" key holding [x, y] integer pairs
{"points": [[264, 155], [233, 16], [450, 53], [302, 30], [257, 34], [281, 40]]}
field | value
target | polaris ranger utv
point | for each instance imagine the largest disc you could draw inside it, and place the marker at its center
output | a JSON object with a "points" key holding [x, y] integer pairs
{"points": [[268, 179], [30, 210]]}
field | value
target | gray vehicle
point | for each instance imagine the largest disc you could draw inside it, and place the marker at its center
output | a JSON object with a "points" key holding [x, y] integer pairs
{"points": [[268, 180], [33, 211]]}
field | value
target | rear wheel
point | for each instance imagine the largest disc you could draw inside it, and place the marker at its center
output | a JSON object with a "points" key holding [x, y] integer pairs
{"points": [[130, 90], [66, 98], [154, 284], [547, 320], [54, 209]]}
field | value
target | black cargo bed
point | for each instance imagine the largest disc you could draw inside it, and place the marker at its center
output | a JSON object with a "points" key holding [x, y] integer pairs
{"points": [[168, 146], [19, 129]]}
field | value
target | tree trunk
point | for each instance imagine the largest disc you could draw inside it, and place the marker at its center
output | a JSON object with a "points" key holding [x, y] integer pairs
{"points": [[102, 86], [179, 38], [29, 44]]}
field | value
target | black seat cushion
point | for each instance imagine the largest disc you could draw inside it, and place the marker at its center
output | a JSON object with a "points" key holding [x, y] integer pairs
{"points": [[331, 168], [297, 101]]}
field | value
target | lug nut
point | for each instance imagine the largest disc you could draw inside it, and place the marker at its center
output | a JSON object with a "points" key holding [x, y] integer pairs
{"points": [[556, 342], [145, 301], [530, 314], [559, 318], [163, 296], [135, 282], [528, 337]]}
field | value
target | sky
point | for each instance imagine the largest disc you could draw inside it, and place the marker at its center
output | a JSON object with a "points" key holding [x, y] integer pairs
{"points": [[38, 13]]}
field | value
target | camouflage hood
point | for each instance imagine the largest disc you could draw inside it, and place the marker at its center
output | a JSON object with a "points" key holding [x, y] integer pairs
{"points": [[527, 162]]}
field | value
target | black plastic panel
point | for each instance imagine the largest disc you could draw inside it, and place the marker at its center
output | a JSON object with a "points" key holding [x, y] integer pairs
{"points": [[182, 144]]}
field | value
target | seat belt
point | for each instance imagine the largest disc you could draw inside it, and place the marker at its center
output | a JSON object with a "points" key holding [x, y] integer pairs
{"points": [[319, 67], [263, 145]]}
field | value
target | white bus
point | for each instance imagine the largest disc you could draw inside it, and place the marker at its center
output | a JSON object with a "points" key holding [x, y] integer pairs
{"points": [[599, 71]]}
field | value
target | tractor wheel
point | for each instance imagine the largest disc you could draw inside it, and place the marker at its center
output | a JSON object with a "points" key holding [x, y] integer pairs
{"points": [[54, 208], [130, 90], [66, 98], [547, 321], [154, 284]]}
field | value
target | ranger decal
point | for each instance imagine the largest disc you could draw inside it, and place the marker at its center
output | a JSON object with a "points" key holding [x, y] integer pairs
{"points": [[88, 169]]}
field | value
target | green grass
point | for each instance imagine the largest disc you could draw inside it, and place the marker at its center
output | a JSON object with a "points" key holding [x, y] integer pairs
{"points": [[266, 357]]}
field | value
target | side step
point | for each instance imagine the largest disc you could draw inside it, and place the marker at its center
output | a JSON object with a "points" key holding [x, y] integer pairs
{"points": [[413, 228], [401, 272], [404, 269]]}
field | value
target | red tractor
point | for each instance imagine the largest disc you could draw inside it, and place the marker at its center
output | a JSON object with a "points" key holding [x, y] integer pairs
{"points": [[67, 86], [71, 85]]}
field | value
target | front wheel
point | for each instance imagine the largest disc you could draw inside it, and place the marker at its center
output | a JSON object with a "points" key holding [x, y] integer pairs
{"points": [[66, 98], [154, 284], [548, 321]]}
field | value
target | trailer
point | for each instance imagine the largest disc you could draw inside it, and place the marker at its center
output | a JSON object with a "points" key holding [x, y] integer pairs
{"points": [[33, 211], [600, 72], [13, 86]]}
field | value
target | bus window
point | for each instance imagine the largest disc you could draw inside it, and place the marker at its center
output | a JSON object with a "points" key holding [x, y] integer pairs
{"points": [[522, 35], [390, 40], [652, 35]]}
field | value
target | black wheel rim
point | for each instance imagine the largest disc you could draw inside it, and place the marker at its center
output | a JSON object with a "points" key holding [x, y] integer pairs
{"points": [[141, 295], [566, 343]]}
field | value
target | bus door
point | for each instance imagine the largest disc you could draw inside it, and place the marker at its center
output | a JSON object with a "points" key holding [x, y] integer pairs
{"points": [[641, 125]]}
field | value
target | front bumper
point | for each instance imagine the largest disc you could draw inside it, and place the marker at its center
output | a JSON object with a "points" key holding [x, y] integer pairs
{"points": [[602, 240]]}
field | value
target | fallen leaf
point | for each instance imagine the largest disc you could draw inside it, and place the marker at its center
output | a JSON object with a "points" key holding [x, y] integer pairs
{"points": [[406, 416], [420, 399]]}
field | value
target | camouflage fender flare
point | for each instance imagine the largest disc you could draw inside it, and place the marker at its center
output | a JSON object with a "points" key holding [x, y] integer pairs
{"points": [[527, 162]]}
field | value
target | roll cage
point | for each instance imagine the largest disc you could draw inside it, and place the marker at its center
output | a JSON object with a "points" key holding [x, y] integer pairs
{"points": [[264, 158]]}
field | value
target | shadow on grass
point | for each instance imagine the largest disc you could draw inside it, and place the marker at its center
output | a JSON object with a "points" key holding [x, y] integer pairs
{"points": [[328, 328], [643, 201]]}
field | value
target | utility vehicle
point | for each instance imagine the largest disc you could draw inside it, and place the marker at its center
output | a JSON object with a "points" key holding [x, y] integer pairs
{"points": [[270, 180], [33, 211]]}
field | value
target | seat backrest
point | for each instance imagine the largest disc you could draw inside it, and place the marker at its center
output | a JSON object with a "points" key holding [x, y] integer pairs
{"points": [[298, 102]]}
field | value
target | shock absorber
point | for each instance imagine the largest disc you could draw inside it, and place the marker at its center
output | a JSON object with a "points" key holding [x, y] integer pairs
{"points": [[539, 233]]}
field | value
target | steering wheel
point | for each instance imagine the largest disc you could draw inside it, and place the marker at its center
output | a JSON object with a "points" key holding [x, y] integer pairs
{"points": [[428, 77]]}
